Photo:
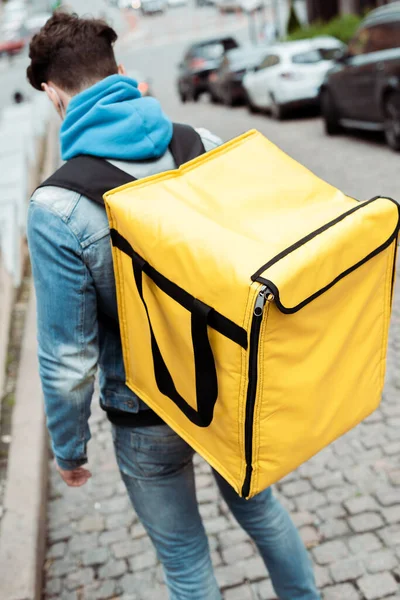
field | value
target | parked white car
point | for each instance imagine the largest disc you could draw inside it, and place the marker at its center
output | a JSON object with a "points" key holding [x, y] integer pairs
{"points": [[290, 75]]}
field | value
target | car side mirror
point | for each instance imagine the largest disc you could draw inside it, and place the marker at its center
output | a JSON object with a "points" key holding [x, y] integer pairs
{"points": [[342, 56]]}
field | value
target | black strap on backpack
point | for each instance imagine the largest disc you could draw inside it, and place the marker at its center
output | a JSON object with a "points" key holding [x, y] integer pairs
{"points": [[93, 177]]}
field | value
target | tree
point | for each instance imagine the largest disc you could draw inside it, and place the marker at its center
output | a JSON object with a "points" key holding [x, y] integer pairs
{"points": [[322, 10], [294, 23]]}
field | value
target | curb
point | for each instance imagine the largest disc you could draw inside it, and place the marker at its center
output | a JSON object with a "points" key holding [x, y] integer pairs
{"points": [[23, 526]]}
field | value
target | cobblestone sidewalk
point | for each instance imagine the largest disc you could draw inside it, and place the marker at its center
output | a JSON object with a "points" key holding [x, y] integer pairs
{"points": [[346, 502]]}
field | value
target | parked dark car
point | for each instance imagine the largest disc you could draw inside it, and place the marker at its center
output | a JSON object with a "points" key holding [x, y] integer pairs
{"points": [[200, 61], [226, 82], [362, 90]]}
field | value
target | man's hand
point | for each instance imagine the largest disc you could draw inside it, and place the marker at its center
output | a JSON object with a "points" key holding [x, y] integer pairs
{"points": [[76, 477]]}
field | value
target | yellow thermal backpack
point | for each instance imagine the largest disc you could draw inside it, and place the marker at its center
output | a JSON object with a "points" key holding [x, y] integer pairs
{"points": [[254, 303]]}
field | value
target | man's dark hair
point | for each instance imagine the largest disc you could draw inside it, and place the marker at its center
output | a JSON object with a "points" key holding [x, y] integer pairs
{"points": [[72, 52]]}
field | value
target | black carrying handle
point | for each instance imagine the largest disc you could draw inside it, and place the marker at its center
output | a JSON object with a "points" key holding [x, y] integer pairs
{"points": [[206, 373]]}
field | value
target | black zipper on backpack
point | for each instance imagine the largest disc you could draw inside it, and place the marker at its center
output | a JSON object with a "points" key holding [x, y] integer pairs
{"points": [[264, 294]]}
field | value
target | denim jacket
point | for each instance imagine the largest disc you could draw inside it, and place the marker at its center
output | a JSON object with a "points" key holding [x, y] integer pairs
{"points": [[72, 268]]}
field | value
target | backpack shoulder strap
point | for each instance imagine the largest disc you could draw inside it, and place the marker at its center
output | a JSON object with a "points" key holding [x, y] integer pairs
{"points": [[186, 144], [93, 177], [90, 176]]}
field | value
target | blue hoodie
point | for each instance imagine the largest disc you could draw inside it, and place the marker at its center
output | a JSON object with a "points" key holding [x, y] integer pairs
{"points": [[112, 120]]}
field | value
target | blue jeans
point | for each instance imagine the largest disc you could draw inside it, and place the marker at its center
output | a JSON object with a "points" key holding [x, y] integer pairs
{"points": [[157, 468]]}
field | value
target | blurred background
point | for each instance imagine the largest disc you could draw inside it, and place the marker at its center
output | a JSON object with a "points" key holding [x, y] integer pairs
{"points": [[231, 65], [320, 78]]}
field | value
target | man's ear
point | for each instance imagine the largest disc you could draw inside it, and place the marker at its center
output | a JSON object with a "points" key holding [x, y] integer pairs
{"points": [[121, 70], [54, 98]]}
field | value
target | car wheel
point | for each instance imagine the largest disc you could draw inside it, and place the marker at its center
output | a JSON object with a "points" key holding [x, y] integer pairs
{"points": [[392, 121], [277, 110], [329, 113], [228, 99], [252, 108], [183, 97], [214, 99]]}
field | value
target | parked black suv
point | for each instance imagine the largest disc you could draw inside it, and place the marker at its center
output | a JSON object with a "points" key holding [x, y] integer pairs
{"points": [[200, 61], [363, 88]]}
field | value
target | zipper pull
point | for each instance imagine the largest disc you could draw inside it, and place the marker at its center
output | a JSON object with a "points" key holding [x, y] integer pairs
{"points": [[260, 302], [264, 295]]}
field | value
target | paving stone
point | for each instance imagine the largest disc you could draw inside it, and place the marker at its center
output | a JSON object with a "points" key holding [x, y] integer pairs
{"points": [[345, 591], [103, 492], [60, 534], [333, 528], [119, 504], [311, 501], [328, 480], [209, 494], [254, 568], [388, 497], [57, 550], [118, 520], [376, 587], [295, 488], [132, 547], [102, 590], [216, 559], [341, 493], [302, 518], [243, 592], [330, 552], [61, 567], [391, 514], [81, 542], [310, 536], [143, 561], [79, 578], [204, 480], [394, 477], [70, 595], [393, 448], [333, 511], [265, 591], [137, 531], [229, 576], [390, 535], [53, 586], [115, 535], [237, 553], [385, 560], [96, 556], [233, 536], [347, 570], [366, 522], [367, 542], [361, 504], [143, 587], [92, 523], [322, 576], [216, 525], [114, 568], [209, 510]]}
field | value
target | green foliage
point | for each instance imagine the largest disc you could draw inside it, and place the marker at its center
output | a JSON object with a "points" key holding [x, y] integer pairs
{"points": [[294, 23], [342, 28]]}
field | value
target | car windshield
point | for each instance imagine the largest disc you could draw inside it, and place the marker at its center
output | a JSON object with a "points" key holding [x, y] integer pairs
{"points": [[245, 59], [314, 56], [214, 50], [211, 51]]}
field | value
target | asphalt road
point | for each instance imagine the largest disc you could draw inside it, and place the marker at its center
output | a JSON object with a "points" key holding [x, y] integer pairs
{"points": [[359, 164]]}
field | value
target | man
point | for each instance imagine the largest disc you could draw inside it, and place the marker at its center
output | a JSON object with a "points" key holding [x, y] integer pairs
{"points": [[73, 61]]}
